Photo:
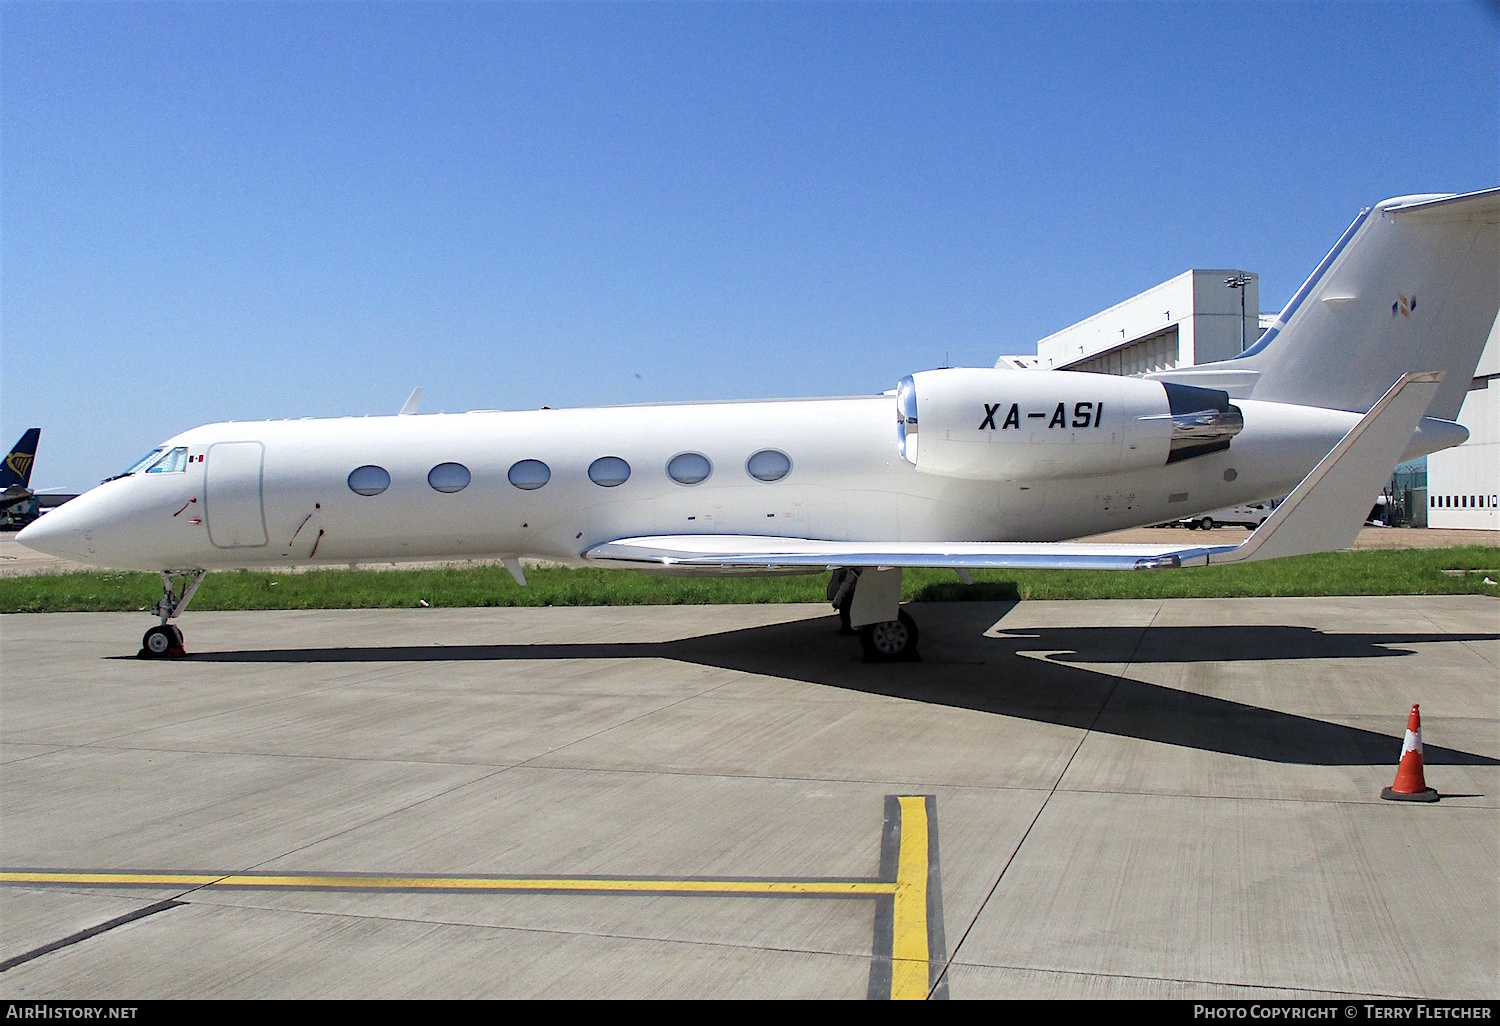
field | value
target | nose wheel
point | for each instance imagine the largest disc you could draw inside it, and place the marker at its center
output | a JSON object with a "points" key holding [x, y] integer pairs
{"points": [[164, 641]]}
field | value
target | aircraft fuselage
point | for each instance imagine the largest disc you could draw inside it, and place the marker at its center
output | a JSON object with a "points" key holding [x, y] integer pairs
{"points": [[278, 493]]}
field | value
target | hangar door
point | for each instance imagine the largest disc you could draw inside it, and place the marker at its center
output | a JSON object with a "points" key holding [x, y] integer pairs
{"points": [[232, 502]]}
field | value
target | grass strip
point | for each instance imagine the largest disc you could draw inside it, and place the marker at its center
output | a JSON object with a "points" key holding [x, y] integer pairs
{"points": [[1368, 572]]}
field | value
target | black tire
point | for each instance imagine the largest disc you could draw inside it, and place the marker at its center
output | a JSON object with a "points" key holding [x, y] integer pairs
{"points": [[156, 641], [891, 641], [1207, 523]]}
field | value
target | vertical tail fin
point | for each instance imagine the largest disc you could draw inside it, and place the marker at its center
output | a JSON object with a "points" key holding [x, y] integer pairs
{"points": [[16, 469], [1413, 285]]}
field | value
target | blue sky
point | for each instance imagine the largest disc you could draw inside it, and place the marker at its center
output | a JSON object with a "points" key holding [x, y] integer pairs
{"points": [[214, 211]]}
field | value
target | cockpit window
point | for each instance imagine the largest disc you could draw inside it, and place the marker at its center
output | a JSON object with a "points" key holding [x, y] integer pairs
{"points": [[144, 462], [173, 462]]}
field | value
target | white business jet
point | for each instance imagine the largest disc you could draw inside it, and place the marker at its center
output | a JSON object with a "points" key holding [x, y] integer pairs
{"points": [[961, 468]]}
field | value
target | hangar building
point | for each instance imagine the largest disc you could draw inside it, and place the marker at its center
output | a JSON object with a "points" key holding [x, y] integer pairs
{"points": [[1463, 483], [1193, 318]]}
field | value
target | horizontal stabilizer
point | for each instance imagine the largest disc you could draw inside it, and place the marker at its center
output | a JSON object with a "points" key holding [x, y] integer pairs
{"points": [[1476, 207]]}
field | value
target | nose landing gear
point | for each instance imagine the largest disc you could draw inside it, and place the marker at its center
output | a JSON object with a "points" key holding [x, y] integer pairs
{"points": [[164, 641]]}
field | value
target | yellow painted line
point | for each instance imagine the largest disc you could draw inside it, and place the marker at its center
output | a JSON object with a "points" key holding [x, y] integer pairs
{"points": [[911, 932], [114, 879], [909, 944], [836, 888]]}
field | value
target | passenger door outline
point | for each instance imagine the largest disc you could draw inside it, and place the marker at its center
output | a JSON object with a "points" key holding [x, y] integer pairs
{"points": [[234, 495]]}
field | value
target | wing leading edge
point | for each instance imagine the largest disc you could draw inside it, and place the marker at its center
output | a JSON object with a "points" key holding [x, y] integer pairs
{"points": [[1324, 512], [738, 552]]}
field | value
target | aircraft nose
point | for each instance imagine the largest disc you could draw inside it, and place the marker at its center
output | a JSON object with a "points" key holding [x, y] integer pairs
{"points": [[58, 533]]}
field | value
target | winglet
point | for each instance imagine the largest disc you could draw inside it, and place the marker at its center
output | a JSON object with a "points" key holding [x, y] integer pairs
{"points": [[1327, 510], [412, 402]]}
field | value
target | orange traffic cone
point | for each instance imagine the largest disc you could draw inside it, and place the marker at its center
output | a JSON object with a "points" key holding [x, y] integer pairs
{"points": [[1410, 785]]}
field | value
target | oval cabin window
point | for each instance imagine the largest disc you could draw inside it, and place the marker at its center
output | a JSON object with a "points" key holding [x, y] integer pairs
{"points": [[449, 477], [369, 480], [689, 468], [769, 465], [529, 475], [609, 471]]}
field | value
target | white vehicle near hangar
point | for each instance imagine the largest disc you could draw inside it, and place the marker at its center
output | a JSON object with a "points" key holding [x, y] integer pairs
{"points": [[1246, 514], [961, 468]]}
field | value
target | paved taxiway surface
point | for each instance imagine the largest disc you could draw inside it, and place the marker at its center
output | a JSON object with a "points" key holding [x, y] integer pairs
{"points": [[1132, 798]]}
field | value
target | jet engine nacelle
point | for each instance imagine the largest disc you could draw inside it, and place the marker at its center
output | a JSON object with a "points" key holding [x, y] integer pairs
{"points": [[990, 424]]}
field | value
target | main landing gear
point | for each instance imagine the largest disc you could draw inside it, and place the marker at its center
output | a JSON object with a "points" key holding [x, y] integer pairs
{"points": [[841, 595], [867, 603], [165, 640], [890, 641]]}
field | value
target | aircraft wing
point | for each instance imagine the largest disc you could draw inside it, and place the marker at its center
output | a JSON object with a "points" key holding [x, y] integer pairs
{"points": [[734, 552], [1324, 512]]}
